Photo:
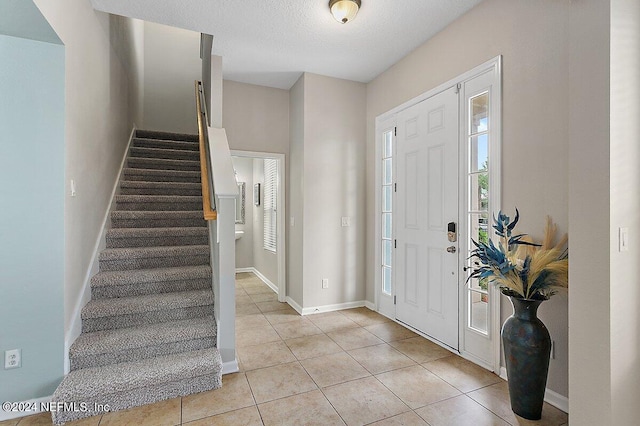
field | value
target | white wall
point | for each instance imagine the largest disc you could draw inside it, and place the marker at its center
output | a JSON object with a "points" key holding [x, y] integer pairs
{"points": [[171, 66], [265, 261], [625, 210], [98, 120], [244, 246], [533, 39]]}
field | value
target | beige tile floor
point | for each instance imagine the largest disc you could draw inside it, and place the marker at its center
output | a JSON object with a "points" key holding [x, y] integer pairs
{"points": [[351, 367]]}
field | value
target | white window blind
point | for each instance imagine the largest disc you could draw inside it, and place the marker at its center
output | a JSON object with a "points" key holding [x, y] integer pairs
{"points": [[270, 203]]}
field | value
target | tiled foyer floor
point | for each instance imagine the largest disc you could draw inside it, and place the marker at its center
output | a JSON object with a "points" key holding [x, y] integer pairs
{"points": [[351, 367]]}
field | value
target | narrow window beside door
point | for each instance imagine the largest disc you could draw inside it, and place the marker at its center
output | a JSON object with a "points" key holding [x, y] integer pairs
{"points": [[387, 197], [478, 204], [270, 203]]}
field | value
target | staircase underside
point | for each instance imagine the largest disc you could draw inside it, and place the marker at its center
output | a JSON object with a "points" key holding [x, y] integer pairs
{"points": [[148, 333]]}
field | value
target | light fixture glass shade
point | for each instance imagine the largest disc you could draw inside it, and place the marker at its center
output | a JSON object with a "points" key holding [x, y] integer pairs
{"points": [[344, 10]]}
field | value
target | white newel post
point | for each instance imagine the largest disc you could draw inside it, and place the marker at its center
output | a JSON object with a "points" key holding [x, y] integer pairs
{"points": [[223, 249], [224, 280]]}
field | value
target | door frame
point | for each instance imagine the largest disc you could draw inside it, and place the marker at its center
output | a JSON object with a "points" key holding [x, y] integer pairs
{"points": [[281, 228], [382, 122]]}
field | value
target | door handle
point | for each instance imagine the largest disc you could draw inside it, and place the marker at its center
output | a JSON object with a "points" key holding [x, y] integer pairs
{"points": [[451, 249]]}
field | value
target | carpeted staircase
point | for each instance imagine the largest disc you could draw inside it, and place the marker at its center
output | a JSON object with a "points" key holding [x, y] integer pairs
{"points": [[148, 333]]}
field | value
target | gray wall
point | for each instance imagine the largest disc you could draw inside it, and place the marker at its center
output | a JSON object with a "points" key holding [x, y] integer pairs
{"points": [[265, 261], [31, 215], [329, 164], [171, 66], [533, 39], [249, 248], [625, 208], [101, 99], [590, 288], [295, 209], [257, 119], [244, 246], [334, 186]]}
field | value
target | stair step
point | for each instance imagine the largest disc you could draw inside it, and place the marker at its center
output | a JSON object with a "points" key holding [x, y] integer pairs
{"points": [[106, 347], [151, 175], [153, 134], [138, 282], [163, 164], [160, 188], [120, 259], [157, 219], [137, 383], [159, 202], [166, 144], [110, 314], [152, 237], [163, 153]]}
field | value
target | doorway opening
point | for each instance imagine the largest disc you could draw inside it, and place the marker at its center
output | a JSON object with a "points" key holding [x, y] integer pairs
{"points": [[260, 230], [437, 185]]}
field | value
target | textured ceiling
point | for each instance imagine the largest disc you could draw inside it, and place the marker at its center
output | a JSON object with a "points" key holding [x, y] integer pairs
{"points": [[271, 42]]}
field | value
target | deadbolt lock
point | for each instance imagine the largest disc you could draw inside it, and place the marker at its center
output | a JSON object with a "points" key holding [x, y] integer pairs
{"points": [[452, 233], [451, 249]]}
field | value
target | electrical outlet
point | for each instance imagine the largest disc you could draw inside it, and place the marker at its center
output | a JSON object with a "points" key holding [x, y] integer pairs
{"points": [[346, 221], [72, 188], [325, 283], [12, 359]]}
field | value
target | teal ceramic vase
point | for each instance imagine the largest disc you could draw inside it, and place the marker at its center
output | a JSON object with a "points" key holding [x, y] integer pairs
{"points": [[527, 348]]}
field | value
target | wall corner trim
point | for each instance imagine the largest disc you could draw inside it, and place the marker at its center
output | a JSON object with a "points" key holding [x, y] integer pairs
{"points": [[230, 367], [294, 305], [259, 274]]}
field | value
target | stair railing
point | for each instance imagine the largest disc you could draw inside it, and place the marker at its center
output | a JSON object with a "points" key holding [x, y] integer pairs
{"points": [[219, 192], [208, 198]]}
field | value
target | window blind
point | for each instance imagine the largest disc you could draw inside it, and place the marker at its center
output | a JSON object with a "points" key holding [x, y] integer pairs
{"points": [[270, 203]]}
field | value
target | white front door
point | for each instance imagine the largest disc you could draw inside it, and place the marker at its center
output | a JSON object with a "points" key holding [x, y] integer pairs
{"points": [[426, 262]]}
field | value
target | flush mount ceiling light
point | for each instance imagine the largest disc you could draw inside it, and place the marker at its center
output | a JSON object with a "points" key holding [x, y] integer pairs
{"points": [[344, 10]]}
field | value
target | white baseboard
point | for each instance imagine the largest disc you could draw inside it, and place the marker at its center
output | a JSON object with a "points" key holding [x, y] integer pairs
{"points": [[259, 275], [75, 327], [34, 406], [230, 367], [331, 308], [503, 373], [559, 401], [266, 280], [327, 308], [370, 305], [294, 305]]}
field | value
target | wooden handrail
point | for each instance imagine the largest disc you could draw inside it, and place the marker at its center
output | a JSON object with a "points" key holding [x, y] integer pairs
{"points": [[209, 213]]}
